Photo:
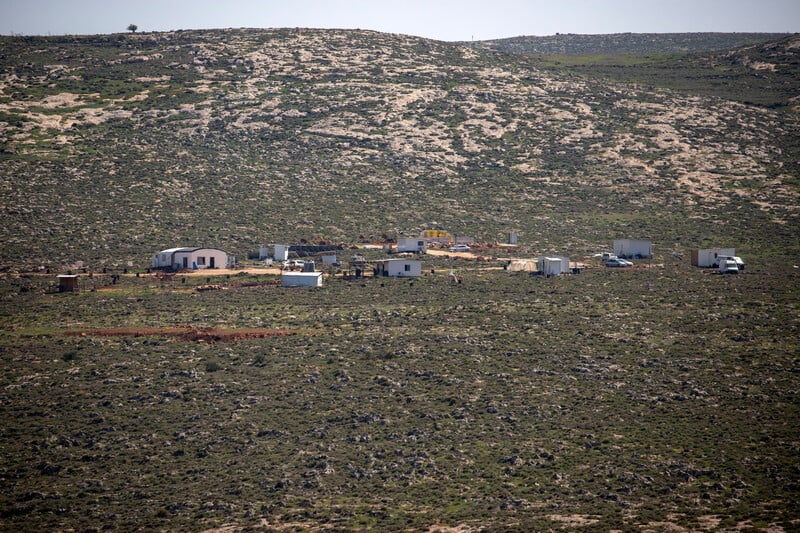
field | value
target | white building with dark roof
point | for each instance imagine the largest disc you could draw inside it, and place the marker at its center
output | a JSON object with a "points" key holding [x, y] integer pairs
{"points": [[190, 258]]}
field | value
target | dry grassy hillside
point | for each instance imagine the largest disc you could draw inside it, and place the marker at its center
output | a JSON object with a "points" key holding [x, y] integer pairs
{"points": [[115, 146], [659, 397]]}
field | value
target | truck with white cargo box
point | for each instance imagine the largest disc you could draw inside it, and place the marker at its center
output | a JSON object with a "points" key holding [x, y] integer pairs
{"points": [[709, 257], [633, 248]]}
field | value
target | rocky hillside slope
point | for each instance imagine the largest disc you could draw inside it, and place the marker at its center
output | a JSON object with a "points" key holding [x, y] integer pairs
{"points": [[624, 43], [116, 146]]}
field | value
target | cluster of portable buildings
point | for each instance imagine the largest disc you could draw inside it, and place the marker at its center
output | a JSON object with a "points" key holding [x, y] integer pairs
{"points": [[198, 258]]}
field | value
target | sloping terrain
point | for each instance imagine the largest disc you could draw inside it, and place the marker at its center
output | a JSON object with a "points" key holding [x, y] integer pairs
{"points": [[624, 43], [660, 397], [116, 146], [763, 74]]}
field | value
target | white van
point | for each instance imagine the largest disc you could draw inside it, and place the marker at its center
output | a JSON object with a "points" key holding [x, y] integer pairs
{"points": [[736, 260], [728, 266]]}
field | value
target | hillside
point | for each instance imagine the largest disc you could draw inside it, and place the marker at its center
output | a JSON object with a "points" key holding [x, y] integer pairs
{"points": [[763, 74], [655, 397], [116, 146], [624, 43]]}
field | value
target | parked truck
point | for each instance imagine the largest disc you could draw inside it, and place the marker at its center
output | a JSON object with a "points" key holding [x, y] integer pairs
{"points": [[709, 257]]}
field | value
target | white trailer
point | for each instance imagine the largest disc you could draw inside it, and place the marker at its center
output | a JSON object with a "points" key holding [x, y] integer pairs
{"points": [[415, 245], [281, 252], [399, 268], [301, 279], [329, 259], [632, 248], [552, 266]]}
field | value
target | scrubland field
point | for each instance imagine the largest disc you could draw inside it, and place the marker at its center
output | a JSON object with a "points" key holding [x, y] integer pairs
{"points": [[661, 397], [605, 400]]}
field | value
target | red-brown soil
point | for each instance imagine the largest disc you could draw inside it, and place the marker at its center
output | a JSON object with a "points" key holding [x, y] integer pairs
{"points": [[204, 334]]}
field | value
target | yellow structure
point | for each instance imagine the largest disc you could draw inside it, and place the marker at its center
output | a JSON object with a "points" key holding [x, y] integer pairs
{"points": [[437, 235]]}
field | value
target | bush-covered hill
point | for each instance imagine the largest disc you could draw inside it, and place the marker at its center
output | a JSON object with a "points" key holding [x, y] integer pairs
{"points": [[660, 397], [115, 146], [624, 43]]}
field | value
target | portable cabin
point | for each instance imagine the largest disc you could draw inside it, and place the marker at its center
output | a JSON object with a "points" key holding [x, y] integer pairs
{"points": [[632, 248], [399, 268], [190, 258], [415, 245], [67, 283], [301, 279], [553, 266], [329, 259], [281, 252], [709, 257]]}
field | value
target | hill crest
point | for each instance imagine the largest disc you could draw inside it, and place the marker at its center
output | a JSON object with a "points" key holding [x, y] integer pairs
{"points": [[114, 146]]}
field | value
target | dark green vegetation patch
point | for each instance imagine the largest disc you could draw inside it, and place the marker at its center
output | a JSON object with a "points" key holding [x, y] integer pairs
{"points": [[504, 402]]}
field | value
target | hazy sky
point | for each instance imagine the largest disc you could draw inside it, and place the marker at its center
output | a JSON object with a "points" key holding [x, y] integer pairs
{"points": [[448, 20]]}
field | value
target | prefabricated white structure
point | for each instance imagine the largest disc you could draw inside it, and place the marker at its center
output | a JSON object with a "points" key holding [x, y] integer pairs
{"points": [[398, 268], [263, 252], [190, 258], [553, 266], [328, 259], [281, 252], [415, 245], [632, 248], [709, 257], [301, 279]]}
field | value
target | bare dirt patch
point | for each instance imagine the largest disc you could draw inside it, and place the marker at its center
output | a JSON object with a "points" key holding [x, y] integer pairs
{"points": [[190, 333]]}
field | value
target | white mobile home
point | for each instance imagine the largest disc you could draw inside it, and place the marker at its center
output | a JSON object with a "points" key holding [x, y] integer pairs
{"points": [[190, 258], [415, 245], [632, 249], [399, 268], [708, 257], [329, 259], [301, 279], [553, 266], [281, 252]]}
